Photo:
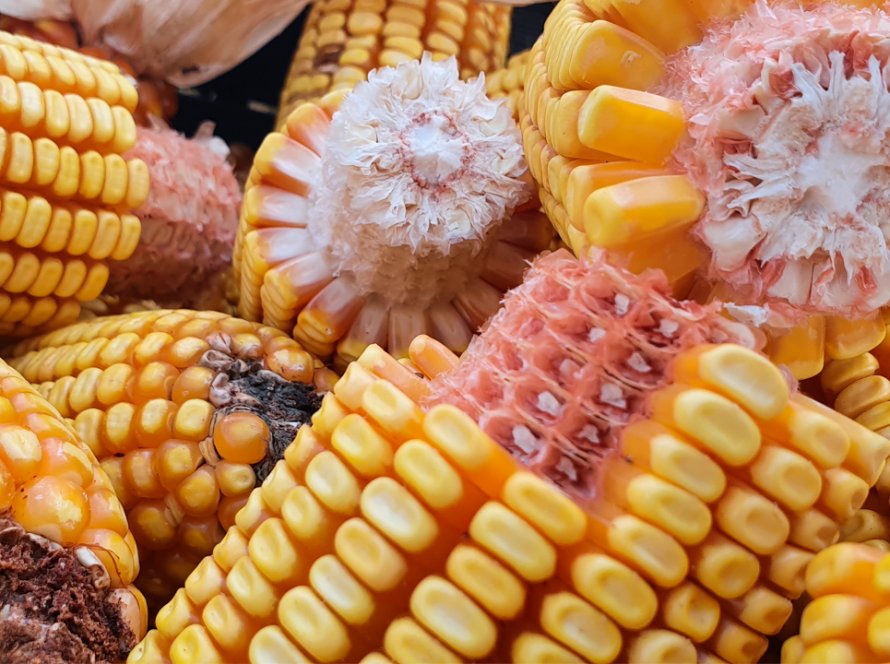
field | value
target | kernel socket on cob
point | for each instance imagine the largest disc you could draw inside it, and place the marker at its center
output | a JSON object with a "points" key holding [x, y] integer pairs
{"points": [[343, 41], [401, 211], [186, 411], [66, 193], [67, 558], [721, 131], [607, 475]]}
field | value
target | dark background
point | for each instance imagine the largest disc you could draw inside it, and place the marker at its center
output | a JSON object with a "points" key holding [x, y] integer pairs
{"points": [[242, 102]]}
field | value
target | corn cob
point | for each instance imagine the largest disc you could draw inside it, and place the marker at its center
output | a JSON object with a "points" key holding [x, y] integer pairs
{"points": [[65, 190], [396, 529], [185, 411], [188, 222], [642, 134], [349, 238], [67, 557], [508, 82], [848, 619], [156, 98], [343, 40]]}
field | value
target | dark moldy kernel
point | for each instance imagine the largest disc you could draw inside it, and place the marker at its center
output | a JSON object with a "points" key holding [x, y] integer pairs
{"points": [[51, 610]]}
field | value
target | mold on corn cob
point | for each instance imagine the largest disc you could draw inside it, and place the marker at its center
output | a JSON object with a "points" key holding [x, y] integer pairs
{"points": [[396, 529], [344, 40], [508, 82], [188, 222], [848, 619], [156, 98], [351, 235], [67, 557], [186, 411], [66, 193]]}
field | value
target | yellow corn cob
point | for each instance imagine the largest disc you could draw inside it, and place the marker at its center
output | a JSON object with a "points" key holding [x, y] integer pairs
{"points": [[848, 619], [343, 40], [509, 81], [358, 264], [394, 533], [65, 548], [185, 411], [65, 191]]}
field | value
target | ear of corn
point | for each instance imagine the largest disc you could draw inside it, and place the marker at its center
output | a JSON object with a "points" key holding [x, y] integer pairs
{"points": [[343, 40], [64, 537], [65, 190], [848, 619], [509, 82], [329, 249], [184, 410], [395, 528]]}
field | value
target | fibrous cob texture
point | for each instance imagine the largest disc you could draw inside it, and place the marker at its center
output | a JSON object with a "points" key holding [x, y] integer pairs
{"points": [[396, 529], [351, 236], [343, 40], [156, 98], [709, 129], [66, 193], [188, 222], [185, 411], [848, 619], [509, 82], [67, 558]]}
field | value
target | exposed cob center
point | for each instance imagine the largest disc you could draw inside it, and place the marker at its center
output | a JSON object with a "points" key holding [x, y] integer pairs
{"points": [[56, 604], [418, 171], [789, 115]]}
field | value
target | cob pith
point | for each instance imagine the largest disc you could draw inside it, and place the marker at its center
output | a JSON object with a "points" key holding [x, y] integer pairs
{"points": [[396, 529], [350, 237], [343, 40], [65, 547], [848, 619], [186, 411], [65, 190]]}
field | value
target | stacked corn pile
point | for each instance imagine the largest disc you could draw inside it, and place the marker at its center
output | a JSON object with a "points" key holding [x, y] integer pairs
{"points": [[350, 238], [186, 412], [398, 528], [66, 191], [343, 40], [509, 82], [67, 557], [848, 619]]}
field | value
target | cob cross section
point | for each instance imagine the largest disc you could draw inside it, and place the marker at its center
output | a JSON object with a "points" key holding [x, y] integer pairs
{"points": [[65, 190], [186, 411], [396, 529], [714, 131], [65, 548], [389, 218], [343, 40]]}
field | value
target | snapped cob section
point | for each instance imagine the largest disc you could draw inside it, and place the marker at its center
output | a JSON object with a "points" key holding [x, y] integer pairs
{"points": [[396, 529], [349, 237], [65, 190], [848, 619], [343, 40], [65, 547], [186, 411]]}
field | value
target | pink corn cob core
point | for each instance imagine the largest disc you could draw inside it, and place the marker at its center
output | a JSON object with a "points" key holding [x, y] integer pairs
{"points": [[569, 360], [188, 222]]}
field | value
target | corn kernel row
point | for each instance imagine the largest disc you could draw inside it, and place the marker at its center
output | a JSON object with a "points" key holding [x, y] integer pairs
{"points": [[848, 618], [143, 393], [386, 528], [65, 187], [345, 39]]}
